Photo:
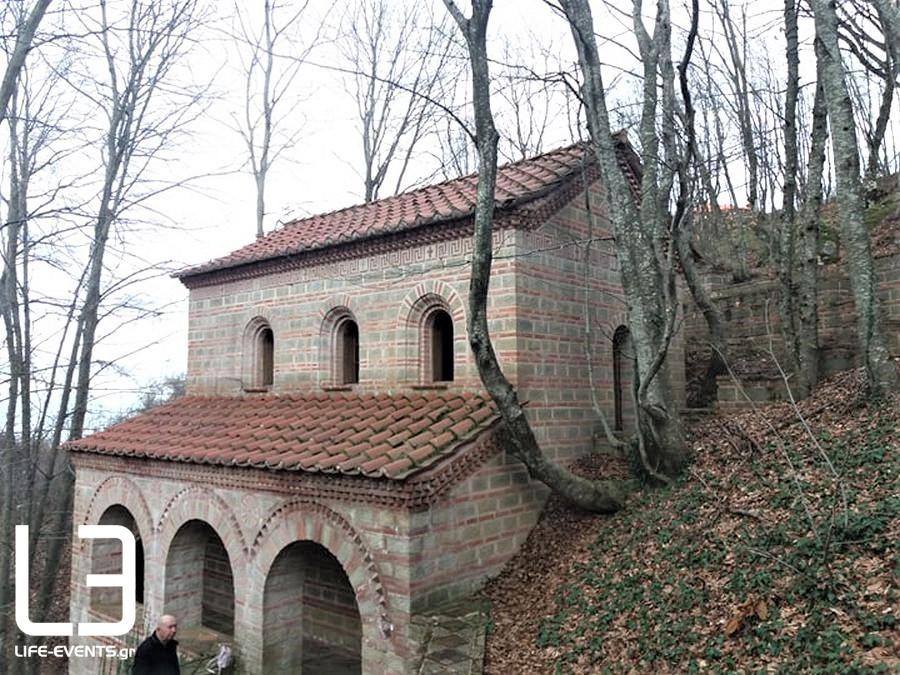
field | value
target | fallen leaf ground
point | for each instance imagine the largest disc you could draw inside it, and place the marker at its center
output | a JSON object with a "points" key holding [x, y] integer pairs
{"points": [[776, 552]]}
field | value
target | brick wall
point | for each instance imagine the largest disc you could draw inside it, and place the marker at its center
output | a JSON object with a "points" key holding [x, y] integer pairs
{"points": [[218, 588], [468, 537], [754, 326], [380, 291], [540, 295], [308, 603]]}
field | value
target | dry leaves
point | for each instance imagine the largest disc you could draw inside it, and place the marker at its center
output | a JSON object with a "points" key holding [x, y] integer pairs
{"points": [[751, 608]]}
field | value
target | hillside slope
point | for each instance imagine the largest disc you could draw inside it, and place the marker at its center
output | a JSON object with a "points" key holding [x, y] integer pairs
{"points": [[776, 552]]}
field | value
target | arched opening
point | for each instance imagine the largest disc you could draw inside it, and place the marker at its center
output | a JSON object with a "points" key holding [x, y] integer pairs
{"points": [[623, 379], [200, 586], [347, 352], [259, 355], [439, 341], [311, 621], [267, 357], [106, 558]]}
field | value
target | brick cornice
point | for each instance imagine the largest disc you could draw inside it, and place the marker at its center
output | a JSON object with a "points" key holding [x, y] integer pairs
{"points": [[416, 493]]}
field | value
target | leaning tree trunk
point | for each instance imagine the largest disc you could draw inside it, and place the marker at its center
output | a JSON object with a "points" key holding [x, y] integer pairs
{"points": [[880, 370], [648, 287], [591, 495], [682, 223]]}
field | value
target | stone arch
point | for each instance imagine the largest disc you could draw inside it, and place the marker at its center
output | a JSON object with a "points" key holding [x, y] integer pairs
{"points": [[333, 366], [119, 491], [419, 299], [307, 520], [197, 503], [193, 505], [417, 308], [335, 301], [106, 558], [258, 354]]}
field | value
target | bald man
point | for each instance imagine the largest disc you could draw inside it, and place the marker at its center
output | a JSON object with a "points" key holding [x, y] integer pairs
{"points": [[158, 654]]}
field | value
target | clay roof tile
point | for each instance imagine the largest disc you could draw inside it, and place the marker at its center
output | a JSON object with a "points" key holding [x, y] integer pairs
{"points": [[345, 434], [518, 184]]}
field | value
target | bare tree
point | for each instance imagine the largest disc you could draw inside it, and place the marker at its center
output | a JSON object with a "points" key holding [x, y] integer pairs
{"points": [[640, 233], [880, 370], [735, 63], [139, 45], [866, 30], [798, 238], [24, 37], [269, 79], [530, 100], [398, 67], [727, 244], [591, 495]]}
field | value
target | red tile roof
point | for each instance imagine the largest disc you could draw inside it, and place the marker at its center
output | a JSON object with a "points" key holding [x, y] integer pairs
{"points": [[518, 184], [389, 436]]}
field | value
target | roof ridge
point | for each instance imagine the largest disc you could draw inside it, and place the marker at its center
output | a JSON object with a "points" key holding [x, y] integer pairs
{"points": [[451, 201], [473, 176]]}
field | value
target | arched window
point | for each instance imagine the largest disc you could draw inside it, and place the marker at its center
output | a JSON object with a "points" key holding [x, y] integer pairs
{"points": [[259, 355], [267, 357], [439, 342], [347, 352], [623, 378]]}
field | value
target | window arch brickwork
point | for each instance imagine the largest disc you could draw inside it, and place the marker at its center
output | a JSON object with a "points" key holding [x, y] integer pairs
{"points": [[430, 355], [339, 351], [258, 371]]}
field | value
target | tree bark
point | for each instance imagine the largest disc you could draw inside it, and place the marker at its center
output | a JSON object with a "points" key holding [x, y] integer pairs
{"points": [[590, 495], [648, 288], [880, 370], [787, 297], [806, 250]]}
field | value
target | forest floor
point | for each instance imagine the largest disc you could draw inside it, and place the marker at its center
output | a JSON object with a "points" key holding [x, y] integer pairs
{"points": [[775, 552]]}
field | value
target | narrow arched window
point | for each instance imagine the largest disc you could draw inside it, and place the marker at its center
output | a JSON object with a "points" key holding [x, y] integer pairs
{"points": [[347, 352], [266, 358], [623, 377], [259, 355], [440, 327]]}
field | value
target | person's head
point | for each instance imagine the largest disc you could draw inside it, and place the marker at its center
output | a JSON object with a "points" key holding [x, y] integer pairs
{"points": [[165, 629]]}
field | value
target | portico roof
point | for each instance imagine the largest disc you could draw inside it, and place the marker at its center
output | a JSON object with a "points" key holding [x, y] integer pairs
{"points": [[376, 435]]}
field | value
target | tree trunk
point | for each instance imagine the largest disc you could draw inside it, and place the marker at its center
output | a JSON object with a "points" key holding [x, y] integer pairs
{"points": [[806, 250], [594, 496], [786, 262], [20, 51], [880, 370], [648, 288]]}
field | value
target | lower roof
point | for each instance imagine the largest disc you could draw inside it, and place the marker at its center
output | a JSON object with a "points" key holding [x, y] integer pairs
{"points": [[390, 436]]}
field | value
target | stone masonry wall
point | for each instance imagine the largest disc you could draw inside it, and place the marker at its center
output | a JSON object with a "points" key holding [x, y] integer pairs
{"points": [[380, 291], [557, 291], [397, 562], [254, 527], [467, 538], [754, 325]]}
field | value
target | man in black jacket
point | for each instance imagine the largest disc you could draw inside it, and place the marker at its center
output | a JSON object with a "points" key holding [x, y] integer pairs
{"points": [[158, 654]]}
